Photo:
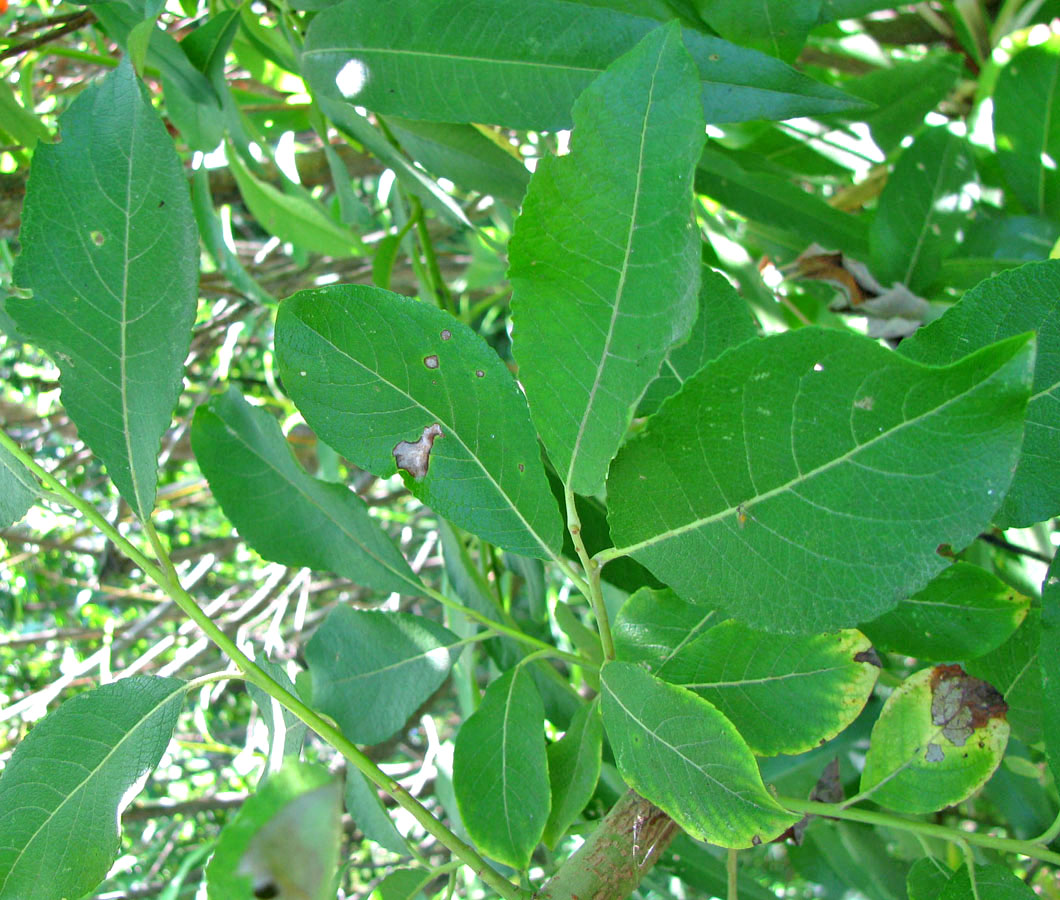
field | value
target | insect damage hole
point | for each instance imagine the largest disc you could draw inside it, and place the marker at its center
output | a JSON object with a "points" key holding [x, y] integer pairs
{"points": [[415, 456]]}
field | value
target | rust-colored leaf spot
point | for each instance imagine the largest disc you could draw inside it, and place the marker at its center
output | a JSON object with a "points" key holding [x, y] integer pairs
{"points": [[869, 656], [960, 703], [946, 551], [431, 362], [446, 334], [415, 456]]}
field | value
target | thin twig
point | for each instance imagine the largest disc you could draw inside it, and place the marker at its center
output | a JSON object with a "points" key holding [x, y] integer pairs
{"points": [[77, 22]]}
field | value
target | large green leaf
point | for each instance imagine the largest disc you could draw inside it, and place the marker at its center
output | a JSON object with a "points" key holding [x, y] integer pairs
{"points": [[1013, 302], [604, 258], [1027, 128], [994, 882], [1049, 664], [963, 612], [652, 626], [63, 790], [283, 513], [939, 738], [573, 770], [784, 693], [110, 250], [371, 670], [522, 63], [921, 210], [18, 488], [724, 320], [284, 841], [776, 27], [500, 771], [803, 482], [376, 374], [680, 753]]}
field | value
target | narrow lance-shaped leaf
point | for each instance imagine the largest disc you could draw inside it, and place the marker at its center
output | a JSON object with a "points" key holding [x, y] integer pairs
{"points": [[522, 63], [391, 382], [109, 249], [679, 752], [1049, 666], [573, 770], [500, 771], [283, 513], [604, 258], [1013, 302], [63, 790], [776, 27], [804, 482]]}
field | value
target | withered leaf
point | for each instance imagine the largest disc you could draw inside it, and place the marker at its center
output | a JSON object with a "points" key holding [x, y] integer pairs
{"points": [[415, 456]]}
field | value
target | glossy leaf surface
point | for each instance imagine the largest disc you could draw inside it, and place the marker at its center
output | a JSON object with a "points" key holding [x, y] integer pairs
{"points": [[500, 770], [963, 612], [784, 693], [652, 626], [939, 738], [63, 790], [371, 370], [116, 312], [371, 670], [522, 63], [680, 753], [604, 259], [1013, 302], [803, 482], [284, 513]]}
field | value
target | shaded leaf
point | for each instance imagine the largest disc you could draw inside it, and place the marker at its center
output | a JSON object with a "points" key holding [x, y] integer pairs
{"points": [[1013, 302], [927, 878], [573, 770], [776, 27], [963, 612], [19, 490], [921, 210], [1049, 664], [784, 694], [604, 258], [283, 513], [444, 59], [679, 752], [370, 369], [652, 626], [283, 724], [500, 771], [815, 473], [366, 810], [939, 738], [63, 789], [371, 670], [996, 882], [110, 251]]}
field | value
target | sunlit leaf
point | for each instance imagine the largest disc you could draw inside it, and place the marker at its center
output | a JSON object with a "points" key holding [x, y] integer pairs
{"points": [[652, 626]]}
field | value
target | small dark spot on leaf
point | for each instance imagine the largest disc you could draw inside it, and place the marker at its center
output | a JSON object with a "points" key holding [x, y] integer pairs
{"points": [[479, 373], [415, 456], [713, 57], [961, 704], [522, 468], [97, 238], [756, 840], [267, 891], [945, 550], [446, 334], [431, 362], [161, 203], [869, 656]]}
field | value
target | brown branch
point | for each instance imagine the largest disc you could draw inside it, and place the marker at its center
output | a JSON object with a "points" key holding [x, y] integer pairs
{"points": [[74, 24]]}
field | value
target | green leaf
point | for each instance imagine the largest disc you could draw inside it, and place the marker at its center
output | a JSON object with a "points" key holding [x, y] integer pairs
{"points": [[679, 752], [993, 882], [804, 481], [403, 884], [939, 738], [443, 60], [19, 122], [926, 879], [372, 670], [778, 207], [371, 370], [283, 513], [291, 216], [110, 252], [63, 790], [500, 770], [724, 320], [652, 626], [1013, 302], [853, 854], [286, 730], [1013, 669], [921, 210], [776, 27], [366, 810], [604, 259], [784, 694], [963, 612], [284, 841], [19, 490], [1027, 128], [573, 770], [1049, 663]]}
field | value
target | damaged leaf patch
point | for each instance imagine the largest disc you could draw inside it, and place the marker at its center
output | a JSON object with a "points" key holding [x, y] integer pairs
{"points": [[415, 456], [939, 738]]}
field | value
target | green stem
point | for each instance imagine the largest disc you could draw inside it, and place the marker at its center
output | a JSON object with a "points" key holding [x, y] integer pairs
{"points": [[592, 570], [1050, 834], [438, 285], [257, 676], [870, 817]]}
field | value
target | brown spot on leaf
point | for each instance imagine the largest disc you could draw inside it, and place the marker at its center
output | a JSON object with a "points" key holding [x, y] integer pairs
{"points": [[869, 656], [479, 373], [755, 840], [415, 456], [946, 551], [961, 704], [522, 468], [446, 334], [431, 362]]}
